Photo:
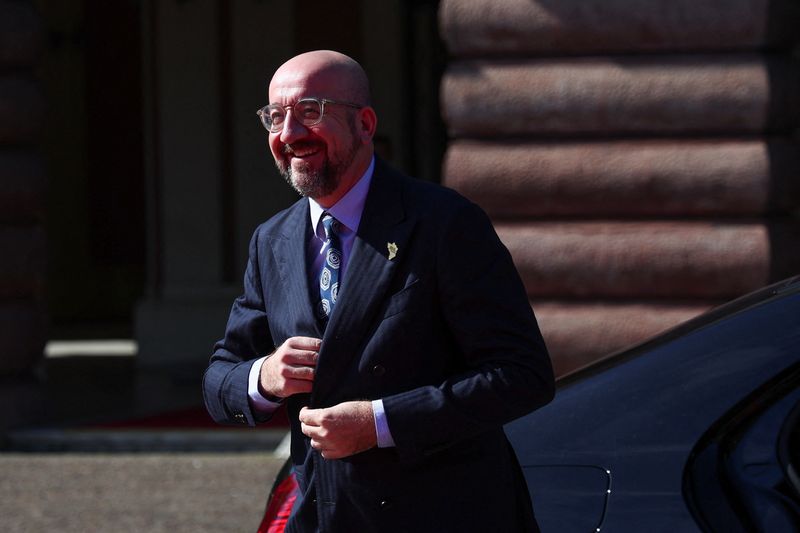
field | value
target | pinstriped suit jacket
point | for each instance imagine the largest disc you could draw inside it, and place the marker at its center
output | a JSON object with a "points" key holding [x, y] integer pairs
{"points": [[442, 331]]}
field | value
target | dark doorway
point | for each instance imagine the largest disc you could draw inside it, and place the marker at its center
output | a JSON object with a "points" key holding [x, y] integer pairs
{"points": [[93, 145]]}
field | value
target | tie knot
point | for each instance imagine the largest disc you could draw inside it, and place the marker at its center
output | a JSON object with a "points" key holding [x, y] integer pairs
{"points": [[330, 225]]}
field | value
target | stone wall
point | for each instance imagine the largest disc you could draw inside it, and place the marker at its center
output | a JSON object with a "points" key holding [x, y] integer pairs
{"points": [[22, 241], [640, 160]]}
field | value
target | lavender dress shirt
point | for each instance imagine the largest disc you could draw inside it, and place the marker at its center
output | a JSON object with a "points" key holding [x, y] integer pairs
{"points": [[348, 212]]}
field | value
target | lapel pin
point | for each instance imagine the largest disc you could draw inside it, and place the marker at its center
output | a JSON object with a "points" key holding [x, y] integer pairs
{"points": [[392, 247]]}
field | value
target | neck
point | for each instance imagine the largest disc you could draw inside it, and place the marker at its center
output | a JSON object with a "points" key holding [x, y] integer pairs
{"points": [[348, 181]]}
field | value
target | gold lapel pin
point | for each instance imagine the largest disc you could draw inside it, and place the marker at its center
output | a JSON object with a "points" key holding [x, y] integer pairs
{"points": [[392, 247]]}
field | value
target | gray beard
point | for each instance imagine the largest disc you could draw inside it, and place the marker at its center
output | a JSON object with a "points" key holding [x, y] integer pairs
{"points": [[314, 184], [322, 182]]}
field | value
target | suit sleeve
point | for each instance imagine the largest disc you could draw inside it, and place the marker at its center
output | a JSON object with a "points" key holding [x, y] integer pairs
{"points": [[247, 337], [508, 370]]}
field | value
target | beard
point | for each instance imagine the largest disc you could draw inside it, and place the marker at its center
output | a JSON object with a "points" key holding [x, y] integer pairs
{"points": [[319, 182]]}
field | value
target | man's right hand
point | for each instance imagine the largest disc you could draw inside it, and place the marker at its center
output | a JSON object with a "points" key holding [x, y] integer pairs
{"points": [[290, 369]]}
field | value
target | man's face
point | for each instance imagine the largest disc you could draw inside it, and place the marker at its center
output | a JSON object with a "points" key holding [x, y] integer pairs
{"points": [[312, 159]]}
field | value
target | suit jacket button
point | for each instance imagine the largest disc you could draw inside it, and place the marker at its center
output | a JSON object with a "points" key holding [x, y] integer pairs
{"points": [[384, 504], [240, 418], [378, 370]]}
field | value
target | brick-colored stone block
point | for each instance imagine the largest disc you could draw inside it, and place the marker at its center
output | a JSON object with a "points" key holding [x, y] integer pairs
{"points": [[657, 95], [627, 178], [517, 27], [643, 260], [579, 333]]}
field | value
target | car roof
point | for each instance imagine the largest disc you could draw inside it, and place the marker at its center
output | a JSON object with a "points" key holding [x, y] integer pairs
{"points": [[776, 290]]}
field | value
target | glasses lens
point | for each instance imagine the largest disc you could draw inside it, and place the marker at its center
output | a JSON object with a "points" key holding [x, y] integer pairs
{"points": [[308, 111], [273, 116]]}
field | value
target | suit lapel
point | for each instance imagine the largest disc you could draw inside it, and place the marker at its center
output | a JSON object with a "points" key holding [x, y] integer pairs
{"points": [[290, 251], [366, 279]]}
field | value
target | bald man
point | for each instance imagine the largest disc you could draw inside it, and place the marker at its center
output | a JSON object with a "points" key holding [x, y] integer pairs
{"points": [[388, 317]]}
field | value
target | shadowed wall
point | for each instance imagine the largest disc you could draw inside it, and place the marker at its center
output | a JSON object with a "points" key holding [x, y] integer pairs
{"points": [[22, 185]]}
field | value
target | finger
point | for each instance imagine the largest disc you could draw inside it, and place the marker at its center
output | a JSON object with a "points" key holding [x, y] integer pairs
{"points": [[304, 343], [306, 415], [308, 431], [312, 417], [301, 357], [297, 386], [304, 373], [333, 454]]}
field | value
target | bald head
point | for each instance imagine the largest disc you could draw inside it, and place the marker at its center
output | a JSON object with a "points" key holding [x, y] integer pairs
{"points": [[340, 76], [323, 157]]}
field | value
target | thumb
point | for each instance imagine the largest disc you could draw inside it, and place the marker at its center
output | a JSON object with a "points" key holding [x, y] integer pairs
{"points": [[306, 415]]}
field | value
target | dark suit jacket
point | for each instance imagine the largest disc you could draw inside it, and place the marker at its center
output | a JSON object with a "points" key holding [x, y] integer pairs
{"points": [[443, 332]]}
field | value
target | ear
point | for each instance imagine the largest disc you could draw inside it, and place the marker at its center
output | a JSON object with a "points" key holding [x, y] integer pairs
{"points": [[366, 124]]}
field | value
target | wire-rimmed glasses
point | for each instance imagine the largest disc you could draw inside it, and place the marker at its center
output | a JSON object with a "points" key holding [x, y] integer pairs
{"points": [[307, 111]]}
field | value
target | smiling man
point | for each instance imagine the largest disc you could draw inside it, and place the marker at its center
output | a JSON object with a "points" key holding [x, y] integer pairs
{"points": [[387, 315], [324, 158]]}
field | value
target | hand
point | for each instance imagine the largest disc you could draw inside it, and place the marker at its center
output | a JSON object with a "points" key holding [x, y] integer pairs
{"points": [[290, 370], [340, 431]]}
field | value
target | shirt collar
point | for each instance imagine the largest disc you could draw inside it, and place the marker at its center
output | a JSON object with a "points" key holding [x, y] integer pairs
{"points": [[349, 208]]}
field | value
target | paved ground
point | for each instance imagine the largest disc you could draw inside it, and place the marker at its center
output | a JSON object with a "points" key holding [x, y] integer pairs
{"points": [[60, 473], [142, 493]]}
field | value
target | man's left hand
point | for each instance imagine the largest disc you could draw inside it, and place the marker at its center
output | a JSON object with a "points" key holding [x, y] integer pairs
{"points": [[340, 431]]}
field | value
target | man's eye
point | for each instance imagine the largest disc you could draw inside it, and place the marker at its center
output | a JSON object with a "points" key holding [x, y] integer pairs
{"points": [[308, 111], [276, 117]]}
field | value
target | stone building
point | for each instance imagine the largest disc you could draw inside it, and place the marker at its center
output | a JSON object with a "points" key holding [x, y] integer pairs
{"points": [[640, 160]]}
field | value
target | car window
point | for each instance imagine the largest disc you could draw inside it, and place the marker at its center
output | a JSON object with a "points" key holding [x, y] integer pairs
{"points": [[737, 465], [789, 449]]}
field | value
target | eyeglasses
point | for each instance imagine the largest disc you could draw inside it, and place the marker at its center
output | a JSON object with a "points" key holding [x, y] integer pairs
{"points": [[307, 111]]}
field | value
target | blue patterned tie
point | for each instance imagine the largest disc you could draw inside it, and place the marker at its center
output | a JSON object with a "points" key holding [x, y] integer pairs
{"points": [[329, 277]]}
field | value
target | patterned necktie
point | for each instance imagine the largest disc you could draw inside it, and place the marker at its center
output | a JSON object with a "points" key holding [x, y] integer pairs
{"points": [[329, 277]]}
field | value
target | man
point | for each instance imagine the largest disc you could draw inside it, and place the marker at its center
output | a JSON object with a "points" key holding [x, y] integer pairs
{"points": [[397, 384]]}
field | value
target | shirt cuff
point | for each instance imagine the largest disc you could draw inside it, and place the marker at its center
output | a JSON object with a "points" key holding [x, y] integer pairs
{"points": [[258, 403], [385, 439]]}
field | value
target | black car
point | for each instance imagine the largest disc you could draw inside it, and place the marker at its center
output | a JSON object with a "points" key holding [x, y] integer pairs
{"points": [[695, 430]]}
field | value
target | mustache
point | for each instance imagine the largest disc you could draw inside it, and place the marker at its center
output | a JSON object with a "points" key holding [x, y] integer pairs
{"points": [[289, 149]]}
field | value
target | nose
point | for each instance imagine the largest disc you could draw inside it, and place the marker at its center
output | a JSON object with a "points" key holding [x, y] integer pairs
{"points": [[292, 129]]}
